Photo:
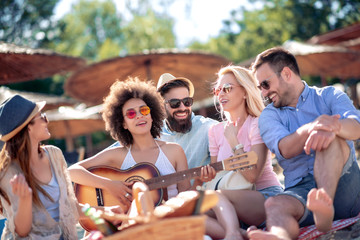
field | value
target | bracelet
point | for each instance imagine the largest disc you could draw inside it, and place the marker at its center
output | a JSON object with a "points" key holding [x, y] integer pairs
{"points": [[237, 147]]}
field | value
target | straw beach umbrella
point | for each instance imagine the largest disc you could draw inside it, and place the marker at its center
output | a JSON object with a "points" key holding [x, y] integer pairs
{"points": [[68, 122], [322, 60], [91, 84], [325, 61], [52, 101], [19, 64], [348, 36]]}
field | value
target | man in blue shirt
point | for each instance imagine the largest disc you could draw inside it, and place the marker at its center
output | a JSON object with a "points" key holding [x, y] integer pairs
{"points": [[310, 130], [181, 125]]}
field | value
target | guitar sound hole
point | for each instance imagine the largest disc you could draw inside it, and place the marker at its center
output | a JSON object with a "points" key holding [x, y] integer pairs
{"points": [[135, 179]]}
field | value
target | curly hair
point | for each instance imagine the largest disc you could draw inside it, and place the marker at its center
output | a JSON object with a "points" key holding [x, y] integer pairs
{"points": [[120, 93]]}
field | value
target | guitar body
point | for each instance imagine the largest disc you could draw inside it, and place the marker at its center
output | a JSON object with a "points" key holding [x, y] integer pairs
{"points": [[150, 175], [100, 197]]}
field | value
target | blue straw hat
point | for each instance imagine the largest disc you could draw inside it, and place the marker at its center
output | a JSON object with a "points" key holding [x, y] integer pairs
{"points": [[15, 113]]}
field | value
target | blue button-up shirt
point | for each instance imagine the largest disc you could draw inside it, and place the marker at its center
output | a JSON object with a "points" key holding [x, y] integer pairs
{"points": [[277, 123], [195, 142]]}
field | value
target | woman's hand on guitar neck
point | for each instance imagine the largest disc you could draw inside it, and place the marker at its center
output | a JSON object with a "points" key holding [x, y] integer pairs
{"points": [[121, 190], [207, 174]]}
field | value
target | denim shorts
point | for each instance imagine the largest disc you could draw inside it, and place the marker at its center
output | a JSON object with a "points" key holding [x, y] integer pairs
{"points": [[271, 191], [347, 196]]}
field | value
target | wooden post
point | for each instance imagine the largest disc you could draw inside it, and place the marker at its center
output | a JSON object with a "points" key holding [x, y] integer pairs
{"points": [[68, 139]]}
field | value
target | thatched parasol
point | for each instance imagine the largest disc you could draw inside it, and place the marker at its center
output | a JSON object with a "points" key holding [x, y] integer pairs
{"points": [[322, 60], [348, 36], [68, 122], [18, 64], [91, 84], [52, 101], [325, 61]]}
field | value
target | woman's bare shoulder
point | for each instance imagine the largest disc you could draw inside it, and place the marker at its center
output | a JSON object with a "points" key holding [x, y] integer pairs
{"points": [[169, 145], [109, 156], [112, 152]]}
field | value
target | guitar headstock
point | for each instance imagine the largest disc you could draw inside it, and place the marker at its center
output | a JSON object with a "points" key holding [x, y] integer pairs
{"points": [[240, 162]]}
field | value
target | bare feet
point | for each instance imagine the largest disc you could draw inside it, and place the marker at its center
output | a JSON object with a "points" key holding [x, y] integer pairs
{"points": [[320, 203], [234, 236], [262, 235], [276, 233]]}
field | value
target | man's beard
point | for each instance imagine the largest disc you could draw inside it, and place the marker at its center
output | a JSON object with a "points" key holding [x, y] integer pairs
{"points": [[182, 125]]}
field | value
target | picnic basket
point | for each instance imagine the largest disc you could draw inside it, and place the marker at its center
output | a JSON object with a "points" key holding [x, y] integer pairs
{"points": [[179, 228], [176, 219]]}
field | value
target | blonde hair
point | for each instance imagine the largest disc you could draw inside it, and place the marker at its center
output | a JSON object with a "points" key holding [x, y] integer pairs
{"points": [[254, 102]]}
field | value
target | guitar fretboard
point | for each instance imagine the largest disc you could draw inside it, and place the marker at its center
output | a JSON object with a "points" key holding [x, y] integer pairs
{"points": [[167, 180]]}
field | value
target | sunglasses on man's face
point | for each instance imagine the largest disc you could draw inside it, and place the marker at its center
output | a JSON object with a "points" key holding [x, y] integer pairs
{"points": [[264, 85], [226, 88], [175, 103], [42, 117], [131, 112]]}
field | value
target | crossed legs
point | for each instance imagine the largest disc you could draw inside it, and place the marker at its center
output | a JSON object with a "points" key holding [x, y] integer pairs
{"points": [[283, 212]]}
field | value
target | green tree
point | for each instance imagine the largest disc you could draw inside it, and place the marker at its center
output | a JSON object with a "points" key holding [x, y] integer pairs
{"points": [[149, 31], [147, 28], [26, 22], [96, 31], [276, 22], [92, 29]]}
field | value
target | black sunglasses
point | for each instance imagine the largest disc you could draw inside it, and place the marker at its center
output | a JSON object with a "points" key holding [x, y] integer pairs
{"points": [[175, 103], [264, 85]]}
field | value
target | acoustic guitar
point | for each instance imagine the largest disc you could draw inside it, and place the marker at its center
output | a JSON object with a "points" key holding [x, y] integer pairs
{"points": [[149, 174]]}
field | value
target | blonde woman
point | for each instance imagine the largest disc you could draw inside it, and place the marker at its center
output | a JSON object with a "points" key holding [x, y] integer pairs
{"points": [[240, 106]]}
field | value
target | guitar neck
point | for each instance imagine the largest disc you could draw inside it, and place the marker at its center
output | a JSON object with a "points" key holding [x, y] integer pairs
{"points": [[167, 180]]}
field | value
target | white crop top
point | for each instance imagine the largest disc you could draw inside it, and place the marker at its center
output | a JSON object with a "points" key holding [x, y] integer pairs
{"points": [[162, 164]]}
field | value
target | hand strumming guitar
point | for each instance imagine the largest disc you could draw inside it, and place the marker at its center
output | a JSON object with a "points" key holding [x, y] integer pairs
{"points": [[121, 190]]}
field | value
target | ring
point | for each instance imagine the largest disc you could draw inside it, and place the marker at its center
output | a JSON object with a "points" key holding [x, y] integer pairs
{"points": [[127, 195]]}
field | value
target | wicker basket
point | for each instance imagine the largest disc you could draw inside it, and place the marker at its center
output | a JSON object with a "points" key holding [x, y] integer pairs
{"points": [[180, 228]]}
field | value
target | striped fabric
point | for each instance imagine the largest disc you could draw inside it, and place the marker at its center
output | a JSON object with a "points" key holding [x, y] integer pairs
{"points": [[310, 232]]}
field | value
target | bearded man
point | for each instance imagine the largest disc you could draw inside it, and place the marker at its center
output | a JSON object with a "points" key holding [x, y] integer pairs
{"points": [[182, 126]]}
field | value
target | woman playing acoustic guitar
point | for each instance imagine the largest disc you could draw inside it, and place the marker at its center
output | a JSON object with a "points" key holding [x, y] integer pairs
{"points": [[133, 114]]}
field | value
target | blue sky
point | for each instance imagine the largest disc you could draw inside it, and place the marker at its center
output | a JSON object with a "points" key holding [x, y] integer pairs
{"points": [[204, 19]]}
